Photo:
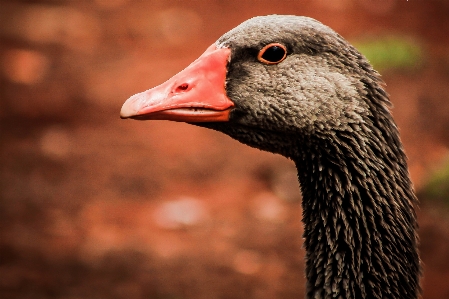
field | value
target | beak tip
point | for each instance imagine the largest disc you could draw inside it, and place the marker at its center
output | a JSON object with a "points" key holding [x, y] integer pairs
{"points": [[127, 110], [124, 114]]}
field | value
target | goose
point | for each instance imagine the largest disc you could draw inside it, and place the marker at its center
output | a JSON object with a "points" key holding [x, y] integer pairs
{"points": [[292, 86]]}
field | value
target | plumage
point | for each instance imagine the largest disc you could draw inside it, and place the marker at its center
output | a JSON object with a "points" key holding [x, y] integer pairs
{"points": [[324, 107]]}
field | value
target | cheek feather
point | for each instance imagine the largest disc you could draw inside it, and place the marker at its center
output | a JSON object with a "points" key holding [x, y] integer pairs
{"points": [[300, 93]]}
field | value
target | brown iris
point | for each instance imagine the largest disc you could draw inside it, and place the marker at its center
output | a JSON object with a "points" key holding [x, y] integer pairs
{"points": [[272, 53]]}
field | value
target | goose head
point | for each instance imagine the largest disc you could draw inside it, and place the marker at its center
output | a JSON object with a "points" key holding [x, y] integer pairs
{"points": [[291, 85], [267, 79]]}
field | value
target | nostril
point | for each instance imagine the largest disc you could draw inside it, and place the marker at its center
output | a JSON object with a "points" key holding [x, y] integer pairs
{"points": [[182, 87]]}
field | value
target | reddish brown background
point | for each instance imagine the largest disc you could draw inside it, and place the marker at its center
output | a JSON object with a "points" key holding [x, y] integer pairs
{"points": [[92, 206]]}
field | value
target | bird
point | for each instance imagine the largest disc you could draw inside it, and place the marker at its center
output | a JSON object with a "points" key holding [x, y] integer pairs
{"points": [[291, 85]]}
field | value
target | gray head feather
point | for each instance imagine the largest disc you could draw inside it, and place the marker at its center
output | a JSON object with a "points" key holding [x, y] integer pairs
{"points": [[325, 108]]}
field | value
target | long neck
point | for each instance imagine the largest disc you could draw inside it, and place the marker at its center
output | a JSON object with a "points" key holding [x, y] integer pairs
{"points": [[360, 225]]}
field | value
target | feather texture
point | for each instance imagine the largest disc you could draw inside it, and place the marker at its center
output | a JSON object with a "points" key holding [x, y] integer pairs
{"points": [[325, 108]]}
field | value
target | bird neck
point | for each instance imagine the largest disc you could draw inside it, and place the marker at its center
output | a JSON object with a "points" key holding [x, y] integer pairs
{"points": [[359, 221]]}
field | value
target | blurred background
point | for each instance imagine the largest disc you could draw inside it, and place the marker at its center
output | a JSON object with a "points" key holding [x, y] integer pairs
{"points": [[92, 206]]}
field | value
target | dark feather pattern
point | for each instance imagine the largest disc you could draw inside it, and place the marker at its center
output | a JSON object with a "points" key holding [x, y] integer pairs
{"points": [[325, 108]]}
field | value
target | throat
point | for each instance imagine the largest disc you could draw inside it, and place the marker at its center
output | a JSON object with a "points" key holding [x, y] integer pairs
{"points": [[359, 221]]}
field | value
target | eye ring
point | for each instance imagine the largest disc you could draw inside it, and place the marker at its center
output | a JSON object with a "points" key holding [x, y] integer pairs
{"points": [[276, 53]]}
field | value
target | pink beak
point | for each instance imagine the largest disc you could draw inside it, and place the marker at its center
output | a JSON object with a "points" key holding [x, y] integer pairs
{"points": [[196, 94]]}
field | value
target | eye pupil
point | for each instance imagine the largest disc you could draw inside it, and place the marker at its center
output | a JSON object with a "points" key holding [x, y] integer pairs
{"points": [[272, 53]]}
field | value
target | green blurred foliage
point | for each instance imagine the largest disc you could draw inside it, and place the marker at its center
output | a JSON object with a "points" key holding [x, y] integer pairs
{"points": [[391, 52], [437, 188]]}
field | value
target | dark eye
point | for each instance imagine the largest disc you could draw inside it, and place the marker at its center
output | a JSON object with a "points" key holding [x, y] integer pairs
{"points": [[272, 53]]}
